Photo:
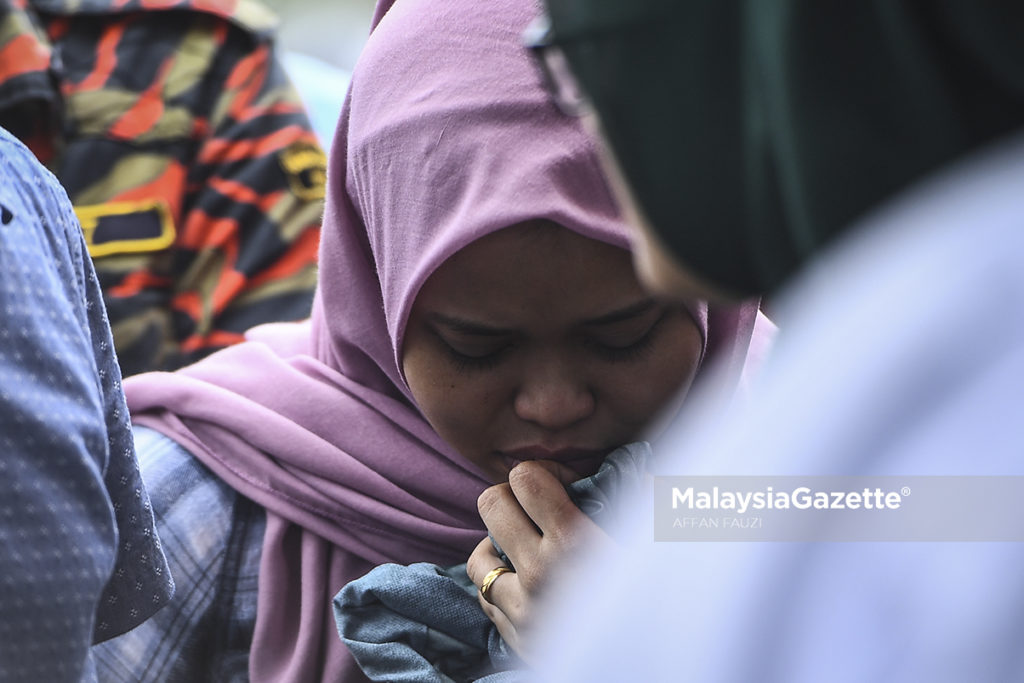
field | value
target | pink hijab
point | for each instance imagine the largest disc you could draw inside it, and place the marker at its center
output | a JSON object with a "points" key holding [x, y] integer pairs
{"points": [[446, 136]]}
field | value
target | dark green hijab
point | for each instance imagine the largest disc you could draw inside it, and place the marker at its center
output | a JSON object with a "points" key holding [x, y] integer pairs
{"points": [[754, 132]]}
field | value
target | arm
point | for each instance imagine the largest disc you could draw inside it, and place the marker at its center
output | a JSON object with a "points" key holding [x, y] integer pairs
{"points": [[246, 252], [56, 517]]}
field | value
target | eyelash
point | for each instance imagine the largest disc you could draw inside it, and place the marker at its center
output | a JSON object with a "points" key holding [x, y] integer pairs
{"points": [[464, 363], [612, 354], [634, 351]]}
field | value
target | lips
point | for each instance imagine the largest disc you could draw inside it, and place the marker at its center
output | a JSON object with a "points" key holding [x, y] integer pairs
{"points": [[583, 461]]}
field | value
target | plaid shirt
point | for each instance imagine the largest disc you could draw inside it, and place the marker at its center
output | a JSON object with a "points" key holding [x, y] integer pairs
{"points": [[213, 538], [187, 155]]}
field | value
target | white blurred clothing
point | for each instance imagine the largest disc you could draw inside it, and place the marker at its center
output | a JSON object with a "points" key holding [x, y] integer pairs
{"points": [[901, 352]]}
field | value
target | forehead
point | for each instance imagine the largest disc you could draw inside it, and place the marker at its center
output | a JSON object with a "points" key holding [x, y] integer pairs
{"points": [[533, 270]]}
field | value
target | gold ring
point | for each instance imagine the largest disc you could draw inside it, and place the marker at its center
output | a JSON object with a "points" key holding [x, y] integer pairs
{"points": [[489, 580]]}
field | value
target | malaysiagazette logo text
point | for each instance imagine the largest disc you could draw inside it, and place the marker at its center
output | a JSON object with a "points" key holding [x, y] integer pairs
{"points": [[800, 498]]}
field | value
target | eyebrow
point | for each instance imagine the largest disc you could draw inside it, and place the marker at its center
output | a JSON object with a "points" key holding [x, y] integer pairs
{"points": [[625, 313], [465, 326]]}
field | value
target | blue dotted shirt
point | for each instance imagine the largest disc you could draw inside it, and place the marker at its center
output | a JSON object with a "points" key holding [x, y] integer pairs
{"points": [[80, 561]]}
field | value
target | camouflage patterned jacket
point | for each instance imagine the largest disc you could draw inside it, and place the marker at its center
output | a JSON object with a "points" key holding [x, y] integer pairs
{"points": [[185, 150]]}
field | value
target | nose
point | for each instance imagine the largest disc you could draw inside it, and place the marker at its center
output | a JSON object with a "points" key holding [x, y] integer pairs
{"points": [[554, 395]]}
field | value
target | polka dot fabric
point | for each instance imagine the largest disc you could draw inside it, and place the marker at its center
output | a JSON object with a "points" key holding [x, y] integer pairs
{"points": [[80, 561]]}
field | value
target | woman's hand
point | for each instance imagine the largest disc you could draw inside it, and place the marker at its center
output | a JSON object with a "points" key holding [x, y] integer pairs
{"points": [[539, 527]]}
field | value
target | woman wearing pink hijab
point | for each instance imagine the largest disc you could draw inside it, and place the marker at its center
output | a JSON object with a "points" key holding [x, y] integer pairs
{"points": [[476, 308]]}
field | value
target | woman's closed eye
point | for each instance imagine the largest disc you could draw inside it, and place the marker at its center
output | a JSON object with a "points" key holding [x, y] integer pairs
{"points": [[626, 340], [474, 352]]}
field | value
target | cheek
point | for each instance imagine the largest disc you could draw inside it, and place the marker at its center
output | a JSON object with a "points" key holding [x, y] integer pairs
{"points": [[644, 391], [459, 408]]}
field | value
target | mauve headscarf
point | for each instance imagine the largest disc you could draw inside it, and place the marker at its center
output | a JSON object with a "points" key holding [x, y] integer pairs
{"points": [[446, 136]]}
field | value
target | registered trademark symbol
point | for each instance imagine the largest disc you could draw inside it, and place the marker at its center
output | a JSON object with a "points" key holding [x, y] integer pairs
{"points": [[905, 490]]}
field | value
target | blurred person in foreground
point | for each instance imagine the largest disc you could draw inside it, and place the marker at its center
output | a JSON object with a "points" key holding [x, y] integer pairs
{"points": [[80, 561], [188, 157], [861, 162]]}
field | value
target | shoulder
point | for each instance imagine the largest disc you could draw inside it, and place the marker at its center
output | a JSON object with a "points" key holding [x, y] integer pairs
{"points": [[26, 181], [43, 262], [13, 151], [250, 15]]}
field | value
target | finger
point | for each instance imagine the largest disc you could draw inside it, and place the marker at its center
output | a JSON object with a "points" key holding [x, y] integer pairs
{"points": [[500, 587], [543, 498], [504, 591], [507, 522], [482, 560], [506, 628], [561, 472]]}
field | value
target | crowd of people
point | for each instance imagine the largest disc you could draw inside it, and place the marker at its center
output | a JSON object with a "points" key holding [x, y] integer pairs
{"points": [[393, 412]]}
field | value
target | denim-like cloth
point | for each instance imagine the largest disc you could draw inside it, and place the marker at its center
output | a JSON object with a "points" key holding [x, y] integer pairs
{"points": [[80, 560], [423, 623]]}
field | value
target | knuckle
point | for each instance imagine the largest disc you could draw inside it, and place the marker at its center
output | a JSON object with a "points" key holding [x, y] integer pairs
{"points": [[473, 568], [531, 577], [526, 477], [491, 499]]}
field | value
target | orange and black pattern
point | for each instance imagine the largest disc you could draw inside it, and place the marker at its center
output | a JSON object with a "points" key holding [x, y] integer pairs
{"points": [[187, 154]]}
